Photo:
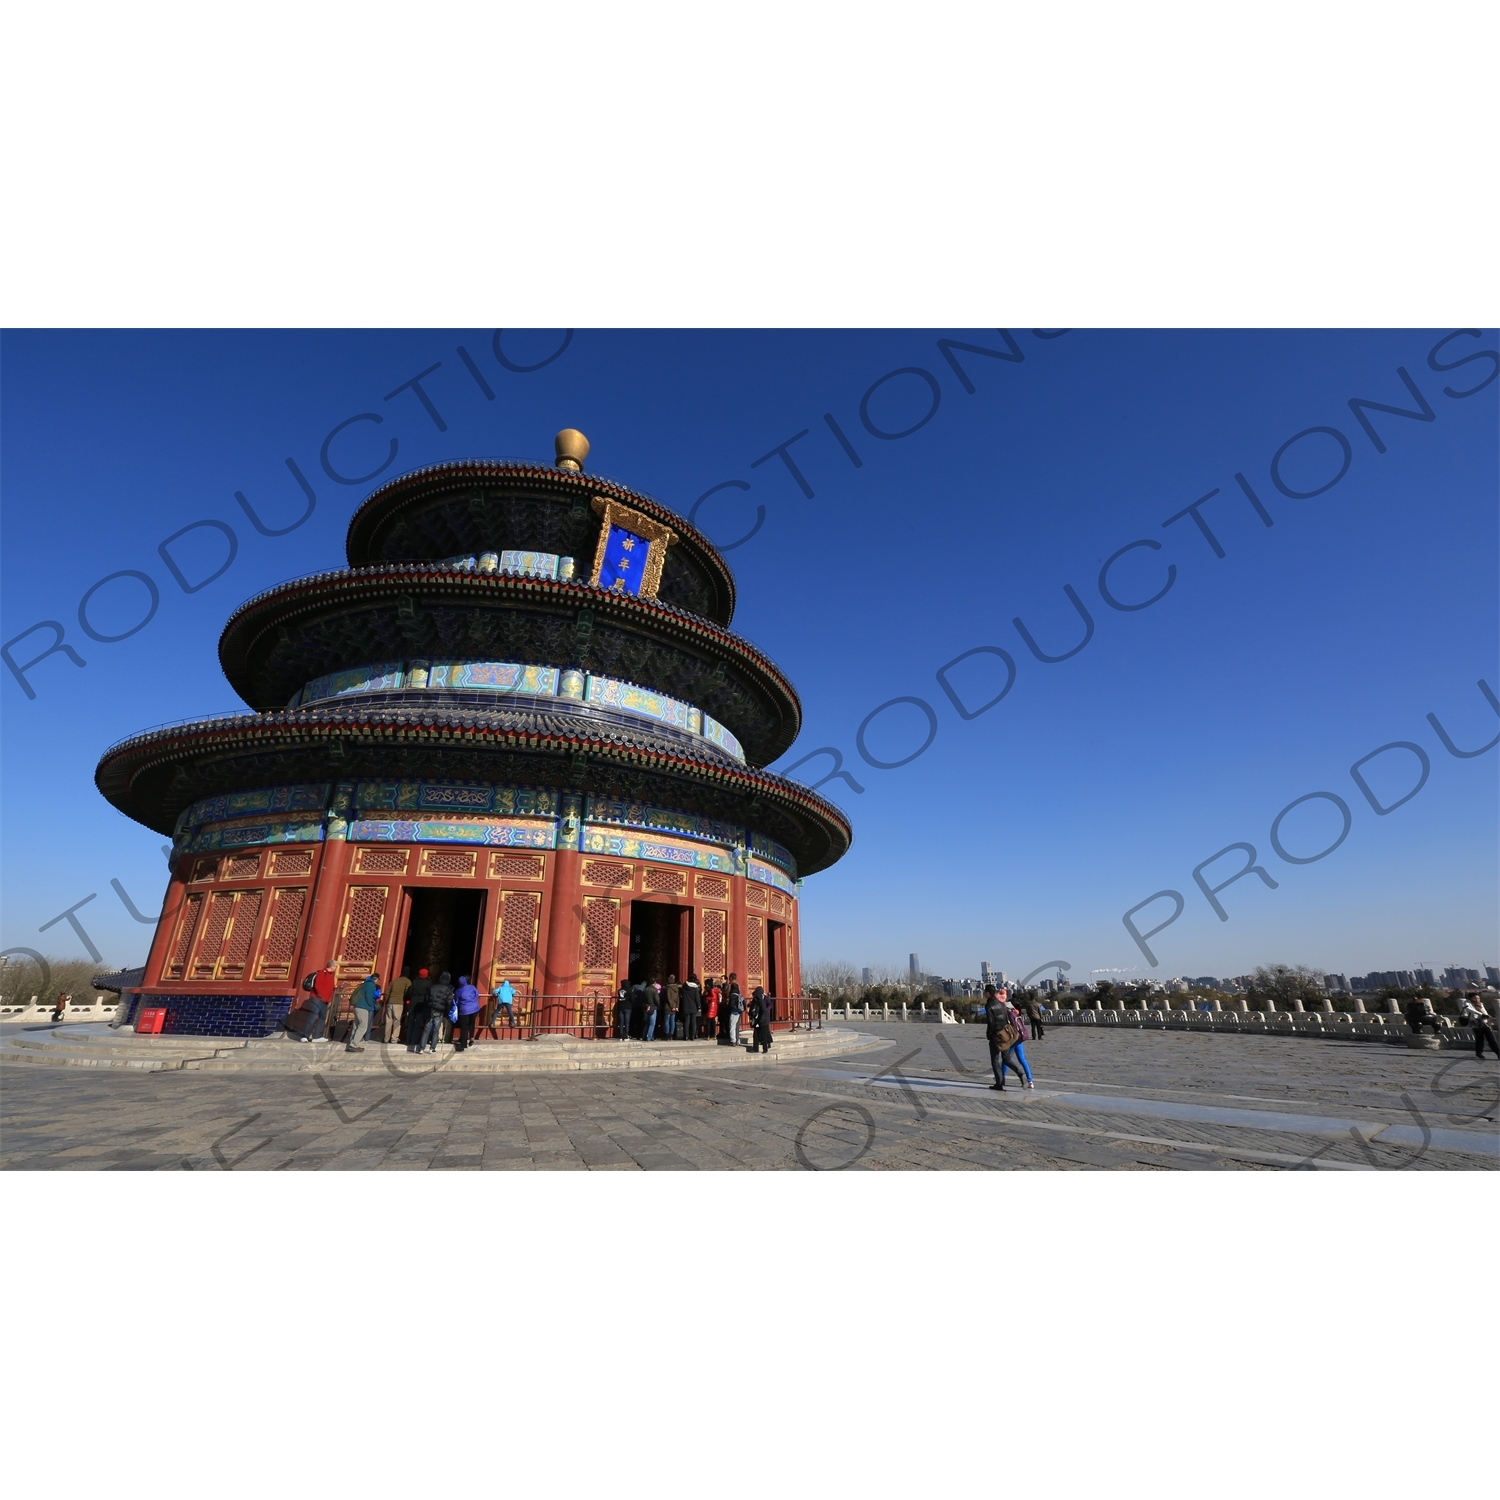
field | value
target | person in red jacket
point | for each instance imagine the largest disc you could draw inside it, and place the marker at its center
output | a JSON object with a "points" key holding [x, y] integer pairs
{"points": [[710, 1007], [322, 994]]}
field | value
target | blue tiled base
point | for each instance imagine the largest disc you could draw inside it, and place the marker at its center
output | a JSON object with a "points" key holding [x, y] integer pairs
{"points": [[216, 1015]]}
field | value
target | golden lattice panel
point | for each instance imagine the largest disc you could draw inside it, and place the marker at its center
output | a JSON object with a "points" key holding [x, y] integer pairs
{"points": [[459, 862], [292, 862], [381, 861], [517, 867]]}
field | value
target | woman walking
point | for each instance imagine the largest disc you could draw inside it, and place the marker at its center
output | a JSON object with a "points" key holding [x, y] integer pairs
{"points": [[1472, 1013], [1014, 1056], [1005, 1031]]}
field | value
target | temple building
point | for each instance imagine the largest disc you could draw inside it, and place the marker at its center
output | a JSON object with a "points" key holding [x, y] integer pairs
{"points": [[514, 738]]}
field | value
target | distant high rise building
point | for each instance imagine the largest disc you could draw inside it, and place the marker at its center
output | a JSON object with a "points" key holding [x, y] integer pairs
{"points": [[1336, 983], [1423, 976], [1455, 978], [865, 977], [914, 968], [984, 971], [1492, 974]]}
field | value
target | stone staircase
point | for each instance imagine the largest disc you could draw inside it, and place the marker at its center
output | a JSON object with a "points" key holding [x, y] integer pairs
{"points": [[99, 1046]]}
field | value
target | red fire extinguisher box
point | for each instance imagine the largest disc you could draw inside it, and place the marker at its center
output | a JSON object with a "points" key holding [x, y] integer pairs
{"points": [[151, 1020]]}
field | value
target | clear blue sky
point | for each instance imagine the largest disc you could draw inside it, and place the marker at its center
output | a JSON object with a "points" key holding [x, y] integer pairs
{"points": [[1019, 836]]}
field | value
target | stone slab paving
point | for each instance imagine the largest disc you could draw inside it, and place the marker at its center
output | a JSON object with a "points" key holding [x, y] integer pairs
{"points": [[1120, 1100]]}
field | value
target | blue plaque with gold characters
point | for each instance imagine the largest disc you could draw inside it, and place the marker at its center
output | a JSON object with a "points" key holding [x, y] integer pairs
{"points": [[623, 570], [631, 549]]}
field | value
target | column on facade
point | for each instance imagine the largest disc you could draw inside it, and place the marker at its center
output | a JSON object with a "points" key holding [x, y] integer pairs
{"points": [[166, 925], [562, 954], [320, 938], [739, 937]]}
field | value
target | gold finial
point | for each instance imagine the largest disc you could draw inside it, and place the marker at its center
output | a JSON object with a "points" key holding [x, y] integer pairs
{"points": [[572, 448]]}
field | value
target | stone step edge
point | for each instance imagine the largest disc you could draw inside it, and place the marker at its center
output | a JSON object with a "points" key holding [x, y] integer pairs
{"points": [[518, 1062], [240, 1059]]}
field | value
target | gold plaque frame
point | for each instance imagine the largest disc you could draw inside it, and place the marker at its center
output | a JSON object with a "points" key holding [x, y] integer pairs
{"points": [[660, 537]]}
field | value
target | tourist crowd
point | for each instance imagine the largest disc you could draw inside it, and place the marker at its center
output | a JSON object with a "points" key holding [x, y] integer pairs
{"points": [[421, 1012]]}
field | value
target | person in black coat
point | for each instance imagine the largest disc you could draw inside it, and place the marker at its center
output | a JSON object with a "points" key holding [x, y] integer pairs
{"points": [[638, 1009], [689, 1008], [761, 1011], [416, 1010]]}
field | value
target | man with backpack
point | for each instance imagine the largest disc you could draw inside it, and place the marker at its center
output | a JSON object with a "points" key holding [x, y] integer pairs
{"points": [[439, 999], [320, 986]]}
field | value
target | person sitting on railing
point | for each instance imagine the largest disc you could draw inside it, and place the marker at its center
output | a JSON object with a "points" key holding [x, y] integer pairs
{"points": [[1419, 1013], [505, 998]]}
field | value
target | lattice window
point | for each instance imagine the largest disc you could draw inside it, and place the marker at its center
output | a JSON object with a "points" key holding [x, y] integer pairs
{"points": [[715, 926], [449, 862], [382, 862], [601, 919], [363, 922], [292, 862], [192, 909], [287, 905], [755, 948], [241, 935], [206, 868], [516, 866], [241, 867], [713, 888], [519, 916], [778, 903], [670, 882], [211, 944], [597, 872], [755, 895]]}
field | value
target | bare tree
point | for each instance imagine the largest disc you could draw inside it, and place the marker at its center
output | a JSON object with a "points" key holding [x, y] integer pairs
{"points": [[1283, 983], [833, 979], [22, 977]]}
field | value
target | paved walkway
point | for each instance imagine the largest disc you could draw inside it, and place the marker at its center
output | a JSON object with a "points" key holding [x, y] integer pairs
{"points": [[1127, 1100]]}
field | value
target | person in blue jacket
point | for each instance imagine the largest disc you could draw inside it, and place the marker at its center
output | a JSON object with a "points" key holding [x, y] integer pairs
{"points": [[467, 998], [366, 998]]}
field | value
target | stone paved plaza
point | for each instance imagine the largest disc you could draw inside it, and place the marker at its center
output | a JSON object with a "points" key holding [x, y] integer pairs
{"points": [[1128, 1100]]}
